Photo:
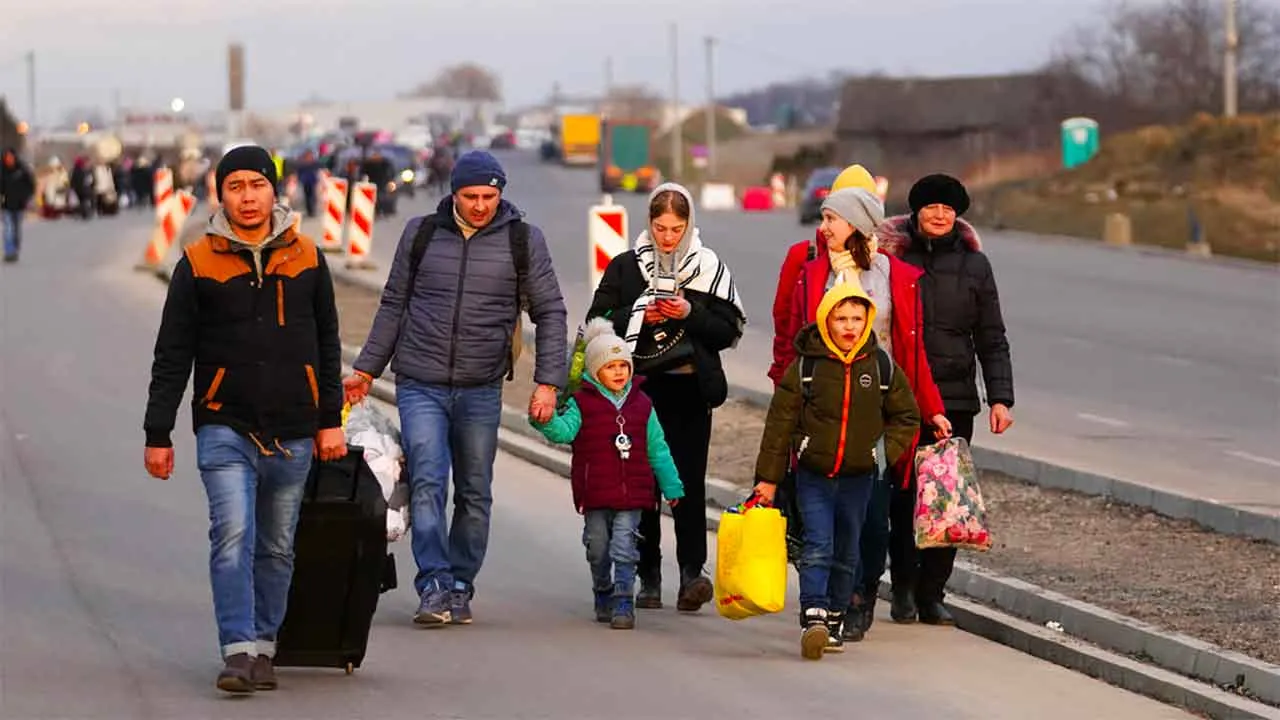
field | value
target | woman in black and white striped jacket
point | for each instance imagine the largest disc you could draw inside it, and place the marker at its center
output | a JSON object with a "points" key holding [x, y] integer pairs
{"points": [[676, 305]]}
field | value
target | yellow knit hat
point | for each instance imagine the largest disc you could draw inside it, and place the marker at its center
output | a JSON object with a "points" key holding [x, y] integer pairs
{"points": [[854, 176]]}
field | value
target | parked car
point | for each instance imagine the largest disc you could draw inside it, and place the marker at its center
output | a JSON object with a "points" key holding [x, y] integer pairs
{"points": [[503, 141], [816, 189]]}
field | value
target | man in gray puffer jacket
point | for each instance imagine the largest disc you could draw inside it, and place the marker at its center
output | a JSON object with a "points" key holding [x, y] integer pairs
{"points": [[451, 336]]}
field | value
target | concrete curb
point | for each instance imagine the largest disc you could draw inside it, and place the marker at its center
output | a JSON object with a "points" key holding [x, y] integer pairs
{"points": [[1226, 519], [1173, 652]]}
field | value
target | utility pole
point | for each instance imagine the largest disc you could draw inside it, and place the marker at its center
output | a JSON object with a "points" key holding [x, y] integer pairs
{"points": [[608, 77], [31, 87], [711, 108], [1229, 62], [677, 150]]}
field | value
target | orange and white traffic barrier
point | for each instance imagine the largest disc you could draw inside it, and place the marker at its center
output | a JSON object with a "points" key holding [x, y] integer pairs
{"points": [[162, 190], [211, 189], [606, 236], [291, 190], [177, 210], [335, 214], [360, 230], [778, 185]]}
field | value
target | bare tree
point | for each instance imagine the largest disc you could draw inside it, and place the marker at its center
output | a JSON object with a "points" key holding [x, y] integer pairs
{"points": [[634, 102], [465, 81], [1165, 62]]}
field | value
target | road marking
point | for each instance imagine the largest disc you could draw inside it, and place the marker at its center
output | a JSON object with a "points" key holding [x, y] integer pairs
{"points": [[1102, 420], [1173, 360], [1253, 458]]}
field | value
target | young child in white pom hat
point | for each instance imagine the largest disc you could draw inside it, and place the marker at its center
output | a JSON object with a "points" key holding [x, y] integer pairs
{"points": [[620, 463]]}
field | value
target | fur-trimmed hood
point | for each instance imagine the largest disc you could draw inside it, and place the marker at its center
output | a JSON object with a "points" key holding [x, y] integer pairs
{"points": [[895, 235]]}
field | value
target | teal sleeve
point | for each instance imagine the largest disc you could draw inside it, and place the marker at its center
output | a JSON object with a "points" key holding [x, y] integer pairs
{"points": [[563, 427], [664, 466]]}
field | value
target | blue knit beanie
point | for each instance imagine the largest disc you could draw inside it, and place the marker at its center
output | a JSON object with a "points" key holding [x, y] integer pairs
{"points": [[477, 168]]}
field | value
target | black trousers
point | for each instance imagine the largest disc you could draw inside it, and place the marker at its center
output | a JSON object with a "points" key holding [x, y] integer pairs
{"points": [[686, 422], [924, 573]]}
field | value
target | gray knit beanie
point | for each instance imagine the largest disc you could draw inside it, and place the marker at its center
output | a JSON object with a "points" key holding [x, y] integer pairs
{"points": [[858, 207], [603, 346]]}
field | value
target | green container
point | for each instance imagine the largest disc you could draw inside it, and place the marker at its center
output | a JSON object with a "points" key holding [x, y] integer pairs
{"points": [[1079, 141]]}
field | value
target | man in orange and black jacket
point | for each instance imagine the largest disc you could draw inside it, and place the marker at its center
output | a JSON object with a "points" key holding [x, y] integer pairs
{"points": [[251, 306]]}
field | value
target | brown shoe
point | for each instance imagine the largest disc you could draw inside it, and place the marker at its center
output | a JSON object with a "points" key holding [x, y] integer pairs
{"points": [[264, 674], [695, 592], [237, 676]]}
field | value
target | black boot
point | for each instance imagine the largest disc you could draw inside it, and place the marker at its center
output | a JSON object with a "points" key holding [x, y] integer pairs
{"points": [[868, 612], [903, 607], [859, 618], [835, 631], [650, 595], [935, 613]]}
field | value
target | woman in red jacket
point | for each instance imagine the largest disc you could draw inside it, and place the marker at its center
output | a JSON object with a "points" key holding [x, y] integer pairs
{"points": [[849, 220]]}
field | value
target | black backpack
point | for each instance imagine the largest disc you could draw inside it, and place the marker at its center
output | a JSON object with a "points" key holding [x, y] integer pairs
{"points": [[518, 239]]}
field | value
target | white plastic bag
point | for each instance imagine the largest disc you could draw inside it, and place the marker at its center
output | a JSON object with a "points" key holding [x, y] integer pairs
{"points": [[368, 428]]}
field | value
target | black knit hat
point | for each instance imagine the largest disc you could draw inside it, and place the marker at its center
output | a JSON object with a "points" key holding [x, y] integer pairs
{"points": [[246, 157], [938, 190]]}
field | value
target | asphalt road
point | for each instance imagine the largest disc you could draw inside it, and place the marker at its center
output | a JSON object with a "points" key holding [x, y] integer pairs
{"points": [[105, 605], [1145, 366]]}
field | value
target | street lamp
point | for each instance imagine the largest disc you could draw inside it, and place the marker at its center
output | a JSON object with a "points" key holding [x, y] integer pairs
{"points": [[177, 105]]}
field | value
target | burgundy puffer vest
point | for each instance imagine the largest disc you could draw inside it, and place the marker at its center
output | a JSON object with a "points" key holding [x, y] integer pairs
{"points": [[602, 480]]}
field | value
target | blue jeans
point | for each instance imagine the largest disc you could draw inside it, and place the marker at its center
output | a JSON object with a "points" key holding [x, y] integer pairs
{"points": [[612, 539], [444, 428], [12, 221], [254, 501], [875, 537], [832, 510]]}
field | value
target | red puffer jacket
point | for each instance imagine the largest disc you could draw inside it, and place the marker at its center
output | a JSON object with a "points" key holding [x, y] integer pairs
{"points": [[783, 335]]}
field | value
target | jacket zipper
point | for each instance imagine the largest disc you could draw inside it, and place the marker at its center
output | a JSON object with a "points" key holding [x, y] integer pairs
{"points": [[457, 305], [844, 421]]}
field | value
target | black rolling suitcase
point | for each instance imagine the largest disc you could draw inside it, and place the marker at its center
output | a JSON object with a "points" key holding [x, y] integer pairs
{"points": [[340, 567]]}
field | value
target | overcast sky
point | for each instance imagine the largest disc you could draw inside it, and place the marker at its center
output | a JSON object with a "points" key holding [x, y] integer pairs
{"points": [[150, 51]]}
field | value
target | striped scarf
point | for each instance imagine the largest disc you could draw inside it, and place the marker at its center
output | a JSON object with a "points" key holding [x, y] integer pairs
{"points": [[699, 269]]}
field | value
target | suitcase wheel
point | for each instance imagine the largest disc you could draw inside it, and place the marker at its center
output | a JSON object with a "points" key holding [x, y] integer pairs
{"points": [[350, 668]]}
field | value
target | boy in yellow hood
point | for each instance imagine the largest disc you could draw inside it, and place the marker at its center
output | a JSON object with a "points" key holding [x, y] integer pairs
{"points": [[846, 421]]}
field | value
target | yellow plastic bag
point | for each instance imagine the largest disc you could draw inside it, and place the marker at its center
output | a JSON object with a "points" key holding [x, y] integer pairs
{"points": [[751, 563]]}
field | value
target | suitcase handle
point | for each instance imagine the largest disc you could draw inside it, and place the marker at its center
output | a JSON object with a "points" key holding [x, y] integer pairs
{"points": [[355, 455]]}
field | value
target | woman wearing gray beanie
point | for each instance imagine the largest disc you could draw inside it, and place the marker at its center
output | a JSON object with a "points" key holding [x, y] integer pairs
{"points": [[850, 222]]}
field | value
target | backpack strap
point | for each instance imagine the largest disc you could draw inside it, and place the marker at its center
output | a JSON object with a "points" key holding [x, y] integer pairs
{"points": [[884, 368], [806, 377], [518, 239], [426, 229], [884, 364]]}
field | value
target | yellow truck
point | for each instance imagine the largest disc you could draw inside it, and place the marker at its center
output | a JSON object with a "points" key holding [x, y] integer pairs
{"points": [[580, 140]]}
